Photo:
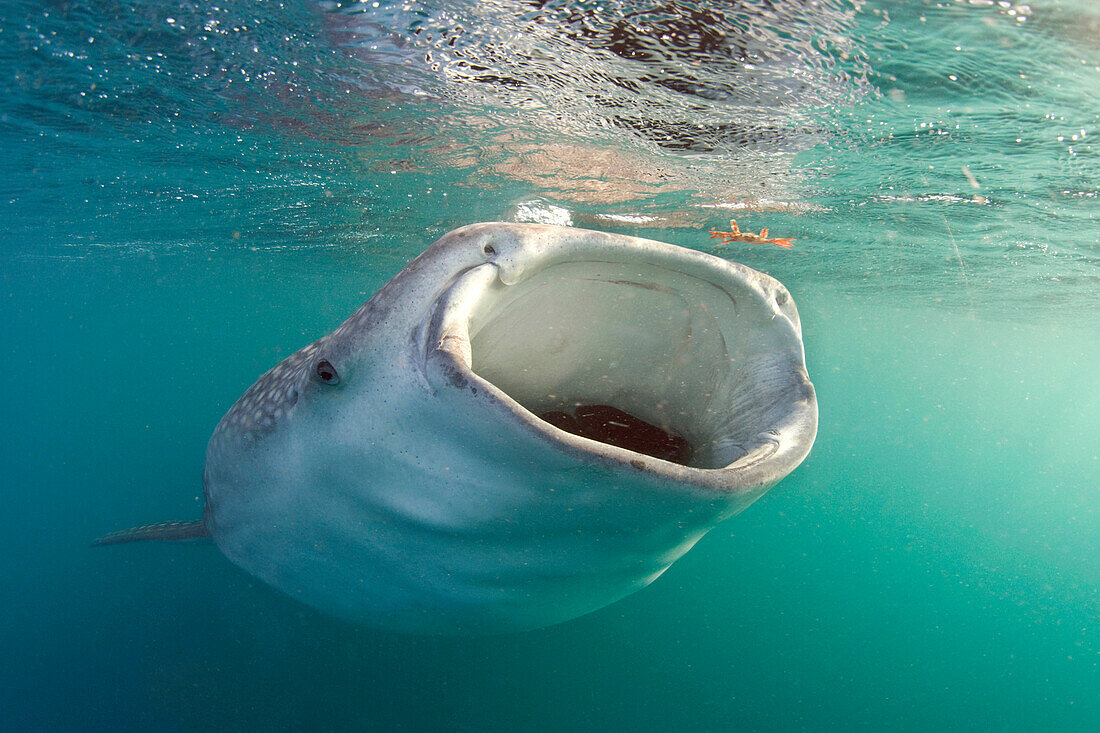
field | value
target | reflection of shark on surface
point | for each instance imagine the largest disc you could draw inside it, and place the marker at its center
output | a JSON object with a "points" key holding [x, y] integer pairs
{"points": [[396, 472], [610, 106], [688, 76]]}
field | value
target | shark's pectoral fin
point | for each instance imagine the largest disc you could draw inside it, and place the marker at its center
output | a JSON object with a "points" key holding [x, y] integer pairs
{"points": [[162, 531]]}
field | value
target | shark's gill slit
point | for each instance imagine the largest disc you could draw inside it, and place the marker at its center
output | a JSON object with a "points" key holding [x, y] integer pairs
{"points": [[577, 342]]}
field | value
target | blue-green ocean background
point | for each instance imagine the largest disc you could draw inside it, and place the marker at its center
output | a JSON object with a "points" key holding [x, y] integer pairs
{"points": [[189, 193]]}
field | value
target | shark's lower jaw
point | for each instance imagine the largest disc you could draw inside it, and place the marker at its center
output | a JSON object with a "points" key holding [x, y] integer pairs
{"points": [[405, 476]]}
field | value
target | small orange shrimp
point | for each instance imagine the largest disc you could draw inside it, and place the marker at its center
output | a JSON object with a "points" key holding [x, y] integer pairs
{"points": [[748, 237]]}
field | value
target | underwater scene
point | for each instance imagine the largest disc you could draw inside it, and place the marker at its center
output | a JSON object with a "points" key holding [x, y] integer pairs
{"points": [[192, 193]]}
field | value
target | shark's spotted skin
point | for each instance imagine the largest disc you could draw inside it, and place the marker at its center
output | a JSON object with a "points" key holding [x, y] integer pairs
{"points": [[271, 398], [395, 472]]}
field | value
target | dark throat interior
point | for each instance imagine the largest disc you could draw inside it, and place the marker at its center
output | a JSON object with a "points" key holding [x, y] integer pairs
{"points": [[613, 426]]}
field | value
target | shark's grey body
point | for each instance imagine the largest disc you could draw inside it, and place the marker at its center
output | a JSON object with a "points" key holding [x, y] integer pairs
{"points": [[395, 472]]}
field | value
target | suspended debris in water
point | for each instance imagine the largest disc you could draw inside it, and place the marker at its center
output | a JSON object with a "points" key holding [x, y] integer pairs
{"points": [[736, 235]]}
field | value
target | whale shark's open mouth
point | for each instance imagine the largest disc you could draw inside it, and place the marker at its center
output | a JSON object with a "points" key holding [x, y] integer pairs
{"points": [[690, 367], [525, 424]]}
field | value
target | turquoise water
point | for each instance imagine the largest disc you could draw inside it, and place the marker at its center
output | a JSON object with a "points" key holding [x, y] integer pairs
{"points": [[189, 195]]}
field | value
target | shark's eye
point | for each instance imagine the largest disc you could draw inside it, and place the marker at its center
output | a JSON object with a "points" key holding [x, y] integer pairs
{"points": [[326, 372], [489, 249]]}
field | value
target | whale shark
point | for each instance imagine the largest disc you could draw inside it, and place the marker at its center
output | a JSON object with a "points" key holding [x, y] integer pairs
{"points": [[526, 424]]}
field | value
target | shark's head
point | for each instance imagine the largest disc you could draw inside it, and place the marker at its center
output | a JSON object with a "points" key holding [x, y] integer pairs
{"points": [[403, 469]]}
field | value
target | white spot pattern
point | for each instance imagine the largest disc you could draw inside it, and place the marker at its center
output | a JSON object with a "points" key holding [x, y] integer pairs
{"points": [[271, 398]]}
